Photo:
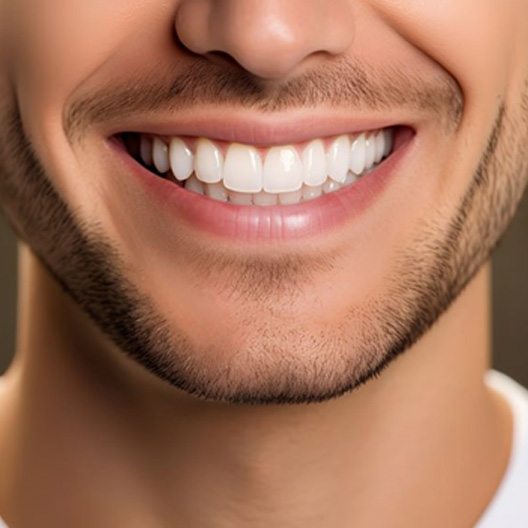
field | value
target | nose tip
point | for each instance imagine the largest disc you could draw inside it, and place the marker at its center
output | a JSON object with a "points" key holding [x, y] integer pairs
{"points": [[270, 39]]}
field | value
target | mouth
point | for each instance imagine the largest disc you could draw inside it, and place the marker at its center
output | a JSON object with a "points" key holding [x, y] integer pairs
{"points": [[258, 192]]}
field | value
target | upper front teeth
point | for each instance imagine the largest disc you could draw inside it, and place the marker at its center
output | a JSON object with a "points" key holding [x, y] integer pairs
{"points": [[282, 169], [242, 171]]}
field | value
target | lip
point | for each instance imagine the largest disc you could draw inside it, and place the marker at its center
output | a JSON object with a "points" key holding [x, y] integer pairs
{"points": [[261, 224], [264, 130]]}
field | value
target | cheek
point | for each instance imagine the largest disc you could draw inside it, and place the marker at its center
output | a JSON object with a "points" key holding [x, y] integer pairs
{"points": [[60, 45], [478, 43], [472, 39]]}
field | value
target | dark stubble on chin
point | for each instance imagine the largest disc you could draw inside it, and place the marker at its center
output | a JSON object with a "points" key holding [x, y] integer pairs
{"points": [[85, 264]]}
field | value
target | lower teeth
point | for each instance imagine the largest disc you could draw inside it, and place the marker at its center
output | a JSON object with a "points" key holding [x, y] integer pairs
{"points": [[220, 193]]}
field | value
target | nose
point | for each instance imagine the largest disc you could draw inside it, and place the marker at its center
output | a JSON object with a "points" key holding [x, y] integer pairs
{"points": [[271, 39]]}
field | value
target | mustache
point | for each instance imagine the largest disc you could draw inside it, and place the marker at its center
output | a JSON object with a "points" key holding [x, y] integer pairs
{"points": [[344, 83]]}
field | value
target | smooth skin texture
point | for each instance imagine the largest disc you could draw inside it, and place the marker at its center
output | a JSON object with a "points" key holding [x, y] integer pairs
{"points": [[142, 343]]}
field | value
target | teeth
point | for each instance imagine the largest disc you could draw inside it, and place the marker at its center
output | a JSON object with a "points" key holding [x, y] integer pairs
{"points": [[209, 161], [289, 198], [216, 191], [243, 169], [330, 186], [160, 156], [314, 163], [181, 159], [195, 185], [282, 175], [370, 156], [358, 153], [145, 150], [380, 146], [240, 198], [337, 159], [265, 198], [283, 170], [309, 193], [350, 178]]}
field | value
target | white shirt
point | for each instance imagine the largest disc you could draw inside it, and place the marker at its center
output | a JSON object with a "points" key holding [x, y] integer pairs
{"points": [[509, 506]]}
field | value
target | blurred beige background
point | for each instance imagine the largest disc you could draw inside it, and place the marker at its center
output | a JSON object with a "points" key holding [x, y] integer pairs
{"points": [[510, 296]]}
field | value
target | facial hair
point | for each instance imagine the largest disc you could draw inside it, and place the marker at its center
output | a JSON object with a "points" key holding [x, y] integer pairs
{"points": [[83, 260]]}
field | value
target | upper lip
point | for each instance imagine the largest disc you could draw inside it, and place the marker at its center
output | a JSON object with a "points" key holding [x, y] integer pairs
{"points": [[262, 129]]}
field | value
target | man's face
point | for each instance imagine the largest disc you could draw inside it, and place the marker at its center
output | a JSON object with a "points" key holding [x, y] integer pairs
{"points": [[191, 288]]}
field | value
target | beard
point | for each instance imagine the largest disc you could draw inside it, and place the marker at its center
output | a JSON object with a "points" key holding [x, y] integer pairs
{"points": [[288, 363]]}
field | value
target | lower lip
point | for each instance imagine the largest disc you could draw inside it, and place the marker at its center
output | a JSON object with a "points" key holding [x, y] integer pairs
{"points": [[253, 223]]}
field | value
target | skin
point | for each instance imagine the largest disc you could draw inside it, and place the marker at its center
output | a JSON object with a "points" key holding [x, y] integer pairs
{"points": [[223, 385]]}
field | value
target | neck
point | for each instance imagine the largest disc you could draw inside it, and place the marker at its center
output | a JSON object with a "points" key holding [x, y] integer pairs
{"points": [[87, 430]]}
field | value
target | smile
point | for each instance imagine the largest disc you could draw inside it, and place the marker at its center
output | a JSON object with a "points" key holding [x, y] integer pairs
{"points": [[246, 175], [254, 192]]}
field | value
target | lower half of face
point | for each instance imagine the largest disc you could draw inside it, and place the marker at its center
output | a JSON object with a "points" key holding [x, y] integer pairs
{"points": [[268, 262]]}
